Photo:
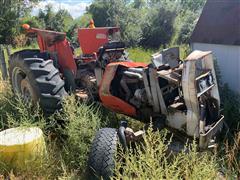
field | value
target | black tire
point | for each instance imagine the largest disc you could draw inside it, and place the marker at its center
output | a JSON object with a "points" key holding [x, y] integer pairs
{"points": [[40, 77], [102, 155]]}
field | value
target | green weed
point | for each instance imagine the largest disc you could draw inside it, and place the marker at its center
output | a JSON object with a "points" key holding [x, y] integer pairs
{"points": [[153, 160]]}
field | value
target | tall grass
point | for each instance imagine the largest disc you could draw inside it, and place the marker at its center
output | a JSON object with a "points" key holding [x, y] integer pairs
{"points": [[140, 55], [144, 55]]}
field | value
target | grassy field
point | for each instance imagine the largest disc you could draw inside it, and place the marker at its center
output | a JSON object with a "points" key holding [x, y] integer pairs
{"points": [[68, 144]]}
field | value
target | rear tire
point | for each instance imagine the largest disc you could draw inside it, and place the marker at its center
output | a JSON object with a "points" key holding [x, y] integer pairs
{"points": [[36, 80], [102, 154]]}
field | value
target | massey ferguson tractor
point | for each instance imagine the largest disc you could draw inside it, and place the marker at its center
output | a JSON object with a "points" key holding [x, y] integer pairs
{"points": [[168, 92]]}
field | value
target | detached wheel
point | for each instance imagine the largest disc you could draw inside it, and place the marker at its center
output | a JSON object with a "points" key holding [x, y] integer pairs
{"points": [[102, 154], [36, 80]]}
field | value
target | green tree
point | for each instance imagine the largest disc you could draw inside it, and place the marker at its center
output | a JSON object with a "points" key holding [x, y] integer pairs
{"points": [[121, 14], [99, 9], [46, 16], [192, 5], [186, 27], [59, 21], [186, 20], [150, 23], [83, 21], [159, 24], [10, 12]]}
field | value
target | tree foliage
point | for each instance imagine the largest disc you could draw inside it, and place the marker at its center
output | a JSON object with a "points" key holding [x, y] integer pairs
{"points": [[98, 9], [150, 23], [10, 12], [158, 29], [191, 5], [121, 14], [147, 23], [59, 21], [184, 26]]}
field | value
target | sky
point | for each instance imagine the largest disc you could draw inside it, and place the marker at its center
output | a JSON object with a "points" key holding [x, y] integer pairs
{"points": [[75, 7]]}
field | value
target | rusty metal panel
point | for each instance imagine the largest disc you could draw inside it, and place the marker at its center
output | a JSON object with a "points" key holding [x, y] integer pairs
{"points": [[196, 55], [156, 105], [205, 138]]}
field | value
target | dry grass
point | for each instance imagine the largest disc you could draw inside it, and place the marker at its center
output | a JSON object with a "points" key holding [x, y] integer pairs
{"points": [[232, 155]]}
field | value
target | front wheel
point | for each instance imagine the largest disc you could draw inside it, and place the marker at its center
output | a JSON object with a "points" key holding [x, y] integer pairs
{"points": [[102, 154]]}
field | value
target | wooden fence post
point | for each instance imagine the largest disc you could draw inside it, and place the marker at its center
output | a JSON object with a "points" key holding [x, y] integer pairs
{"points": [[8, 47], [3, 63]]}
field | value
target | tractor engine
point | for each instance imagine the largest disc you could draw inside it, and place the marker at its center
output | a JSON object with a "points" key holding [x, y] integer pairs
{"points": [[89, 73]]}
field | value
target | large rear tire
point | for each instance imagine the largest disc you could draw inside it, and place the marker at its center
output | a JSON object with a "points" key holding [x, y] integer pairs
{"points": [[102, 154], [37, 80]]}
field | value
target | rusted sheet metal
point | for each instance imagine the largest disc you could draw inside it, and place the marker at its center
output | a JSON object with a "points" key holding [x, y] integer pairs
{"points": [[195, 55], [205, 138]]}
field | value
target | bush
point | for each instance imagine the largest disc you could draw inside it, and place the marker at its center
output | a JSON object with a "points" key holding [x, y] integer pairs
{"points": [[158, 27], [67, 144], [151, 159], [20, 41], [82, 122], [186, 25], [231, 107]]}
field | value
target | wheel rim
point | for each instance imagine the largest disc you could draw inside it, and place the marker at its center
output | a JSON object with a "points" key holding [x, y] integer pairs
{"points": [[22, 87]]}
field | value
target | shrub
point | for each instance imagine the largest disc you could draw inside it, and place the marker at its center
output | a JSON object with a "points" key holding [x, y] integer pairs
{"points": [[158, 27], [82, 122], [231, 105], [67, 144], [20, 40], [152, 159], [232, 156]]}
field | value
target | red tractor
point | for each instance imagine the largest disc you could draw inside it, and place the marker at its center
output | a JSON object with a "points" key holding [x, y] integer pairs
{"points": [[50, 73], [180, 95]]}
